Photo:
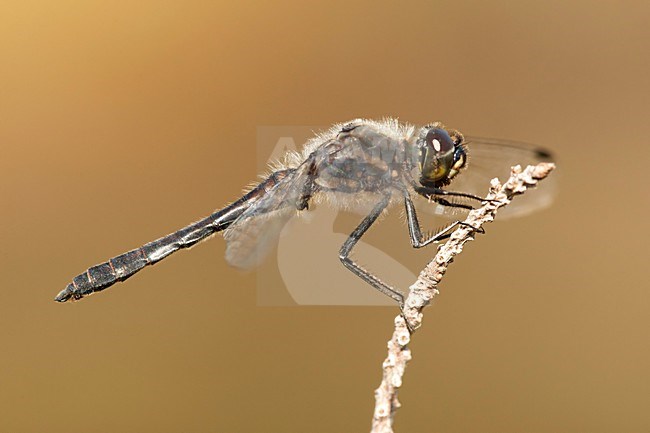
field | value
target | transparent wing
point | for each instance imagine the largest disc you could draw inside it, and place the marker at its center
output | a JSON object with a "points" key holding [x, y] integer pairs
{"points": [[489, 158], [255, 232]]}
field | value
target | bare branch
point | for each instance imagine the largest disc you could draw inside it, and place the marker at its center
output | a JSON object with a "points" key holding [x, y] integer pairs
{"points": [[425, 288]]}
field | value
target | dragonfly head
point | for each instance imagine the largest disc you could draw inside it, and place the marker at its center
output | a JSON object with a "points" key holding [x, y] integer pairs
{"points": [[441, 155]]}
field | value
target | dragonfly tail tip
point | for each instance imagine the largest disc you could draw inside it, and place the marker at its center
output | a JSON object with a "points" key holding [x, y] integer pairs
{"points": [[63, 295]]}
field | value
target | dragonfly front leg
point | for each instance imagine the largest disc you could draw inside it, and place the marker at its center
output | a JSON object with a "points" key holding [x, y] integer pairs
{"points": [[436, 195], [344, 255]]}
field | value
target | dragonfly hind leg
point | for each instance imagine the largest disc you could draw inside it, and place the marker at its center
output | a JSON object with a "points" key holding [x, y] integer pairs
{"points": [[346, 249]]}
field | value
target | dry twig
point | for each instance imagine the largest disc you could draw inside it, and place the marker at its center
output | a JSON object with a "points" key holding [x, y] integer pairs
{"points": [[425, 288]]}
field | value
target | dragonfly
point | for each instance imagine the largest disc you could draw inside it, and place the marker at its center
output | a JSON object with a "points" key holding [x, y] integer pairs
{"points": [[365, 165]]}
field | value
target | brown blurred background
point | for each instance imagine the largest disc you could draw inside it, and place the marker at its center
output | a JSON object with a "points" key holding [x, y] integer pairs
{"points": [[122, 121]]}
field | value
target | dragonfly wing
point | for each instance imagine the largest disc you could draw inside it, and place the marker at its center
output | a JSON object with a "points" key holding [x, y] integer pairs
{"points": [[255, 232], [490, 158]]}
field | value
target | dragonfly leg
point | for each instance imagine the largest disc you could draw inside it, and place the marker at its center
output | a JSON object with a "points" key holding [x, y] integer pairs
{"points": [[434, 193], [344, 255], [448, 203], [418, 240]]}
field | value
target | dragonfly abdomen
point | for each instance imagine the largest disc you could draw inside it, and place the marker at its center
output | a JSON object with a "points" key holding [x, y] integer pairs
{"points": [[119, 268]]}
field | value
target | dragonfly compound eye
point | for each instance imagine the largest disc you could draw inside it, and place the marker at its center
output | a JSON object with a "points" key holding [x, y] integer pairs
{"points": [[438, 158]]}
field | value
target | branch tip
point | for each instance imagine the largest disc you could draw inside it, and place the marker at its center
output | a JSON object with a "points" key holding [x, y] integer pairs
{"points": [[422, 292]]}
